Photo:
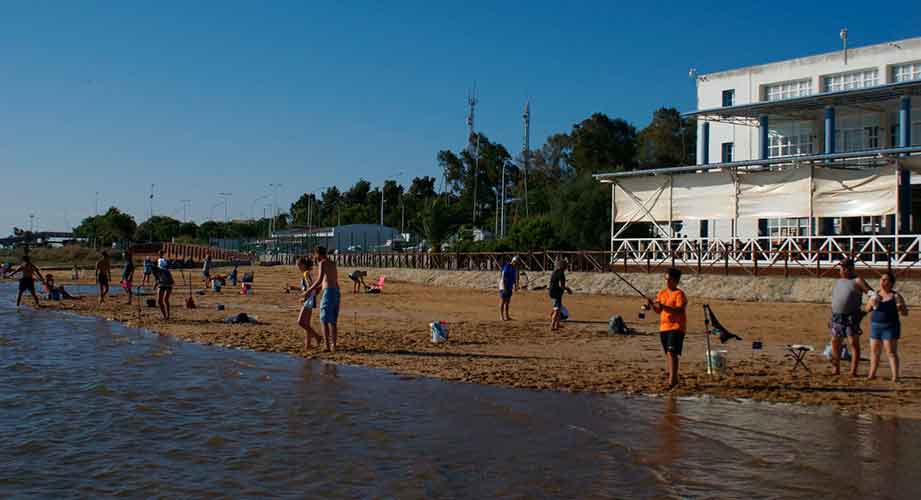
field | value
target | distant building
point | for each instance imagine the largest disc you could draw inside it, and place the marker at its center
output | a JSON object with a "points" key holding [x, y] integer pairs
{"points": [[341, 238]]}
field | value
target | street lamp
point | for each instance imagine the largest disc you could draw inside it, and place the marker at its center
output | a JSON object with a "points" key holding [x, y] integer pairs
{"points": [[226, 197], [252, 206]]}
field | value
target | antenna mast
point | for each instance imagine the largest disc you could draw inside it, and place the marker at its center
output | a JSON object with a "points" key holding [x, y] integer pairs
{"points": [[473, 149], [526, 154]]}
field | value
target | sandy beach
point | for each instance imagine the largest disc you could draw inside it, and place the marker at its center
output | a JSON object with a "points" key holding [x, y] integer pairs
{"points": [[390, 331]]}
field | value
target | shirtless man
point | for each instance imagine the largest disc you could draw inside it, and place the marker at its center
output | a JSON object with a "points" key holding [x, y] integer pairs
{"points": [[103, 273], [27, 281], [328, 280]]}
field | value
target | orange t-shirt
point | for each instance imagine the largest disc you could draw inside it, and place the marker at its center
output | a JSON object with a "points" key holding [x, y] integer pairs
{"points": [[669, 321]]}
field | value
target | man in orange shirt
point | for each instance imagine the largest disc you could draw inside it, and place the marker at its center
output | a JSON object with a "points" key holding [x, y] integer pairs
{"points": [[671, 304]]}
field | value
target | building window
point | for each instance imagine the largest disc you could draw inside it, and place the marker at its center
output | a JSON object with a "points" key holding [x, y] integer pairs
{"points": [[852, 80], [787, 90], [784, 227], [872, 224], [906, 72], [791, 138], [727, 152], [857, 132], [704, 228], [729, 98]]}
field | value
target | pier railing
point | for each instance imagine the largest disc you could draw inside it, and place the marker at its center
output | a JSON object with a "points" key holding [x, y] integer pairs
{"points": [[788, 256]]}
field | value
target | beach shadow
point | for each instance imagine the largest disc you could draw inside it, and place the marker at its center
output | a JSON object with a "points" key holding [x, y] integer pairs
{"points": [[849, 390]]}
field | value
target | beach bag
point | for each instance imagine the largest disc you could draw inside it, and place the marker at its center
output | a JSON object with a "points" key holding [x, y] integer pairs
{"points": [[439, 332], [845, 353], [617, 325], [564, 313]]}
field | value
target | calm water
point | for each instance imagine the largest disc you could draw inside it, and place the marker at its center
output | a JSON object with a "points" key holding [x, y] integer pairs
{"points": [[89, 408]]}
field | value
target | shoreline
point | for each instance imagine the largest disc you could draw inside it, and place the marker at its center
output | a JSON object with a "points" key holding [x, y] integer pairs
{"points": [[390, 331]]}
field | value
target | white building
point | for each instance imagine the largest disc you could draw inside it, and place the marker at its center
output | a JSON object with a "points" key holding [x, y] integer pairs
{"points": [[341, 238], [799, 127]]}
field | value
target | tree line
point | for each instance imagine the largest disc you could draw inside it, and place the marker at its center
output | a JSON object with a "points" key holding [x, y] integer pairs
{"points": [[566, 207]]}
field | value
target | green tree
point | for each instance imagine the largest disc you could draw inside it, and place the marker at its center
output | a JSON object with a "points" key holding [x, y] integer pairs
{"points": [[668, 141], [436, 224], [600, 144], [114, 226], [533, 234], [581, 214], [158, 228]]}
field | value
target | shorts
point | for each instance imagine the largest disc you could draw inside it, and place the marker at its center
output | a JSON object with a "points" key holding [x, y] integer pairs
{"points": [[672, 341], [329, 306], [310, 303], [557, 302], [206, 274], [147, 272], [845, 325], [353, 278], [27, 285], [505, 294], [885, 331], [103, 280], [127, 284]]}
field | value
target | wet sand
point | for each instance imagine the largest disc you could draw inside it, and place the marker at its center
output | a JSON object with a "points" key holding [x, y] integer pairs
{"points": [[391, 331]]}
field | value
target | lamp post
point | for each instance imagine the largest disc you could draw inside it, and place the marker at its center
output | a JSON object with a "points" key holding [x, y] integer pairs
{"points": [[252, 206], [226, 197], [274, 188]]}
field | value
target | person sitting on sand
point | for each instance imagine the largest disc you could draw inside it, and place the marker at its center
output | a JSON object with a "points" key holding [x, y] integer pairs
{"points": [[128, 275], [305, 266], [164, 283], [884, 307], [358, 281], [555, 290], [103, 273], [508, 283], [671, 304], [27, 281], [846, 314], [329, 300], [56, 292]]}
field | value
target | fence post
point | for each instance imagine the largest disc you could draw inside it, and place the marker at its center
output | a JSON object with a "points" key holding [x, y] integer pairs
{"points": [[786, 264], [698, 257]]}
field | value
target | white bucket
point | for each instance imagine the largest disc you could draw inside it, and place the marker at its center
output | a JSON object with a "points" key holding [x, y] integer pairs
{"points": [[717, 362]]}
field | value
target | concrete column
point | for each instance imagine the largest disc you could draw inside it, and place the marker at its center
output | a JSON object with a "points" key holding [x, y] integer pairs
{"points": [[763, 134], [829, 130], [905, 176], [703, 144]]}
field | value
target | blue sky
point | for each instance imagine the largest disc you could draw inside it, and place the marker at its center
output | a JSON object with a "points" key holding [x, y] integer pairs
{"points": [[207, 97]]}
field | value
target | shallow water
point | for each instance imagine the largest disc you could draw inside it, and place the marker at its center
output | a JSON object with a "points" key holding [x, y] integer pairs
{"points": [[89, 408]]}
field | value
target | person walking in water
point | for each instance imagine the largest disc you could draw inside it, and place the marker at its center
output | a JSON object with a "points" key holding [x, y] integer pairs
{"points": [[27, 280], [103, 275], [846, 315], [328, 280], [128, 275], [885, 307]]}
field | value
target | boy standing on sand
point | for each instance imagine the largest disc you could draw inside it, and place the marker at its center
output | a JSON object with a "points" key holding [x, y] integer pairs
{"points": [[329, 300], [103, 273], [206, 271], [671, 304], [508, 283], [556, 289], [148, 269]]}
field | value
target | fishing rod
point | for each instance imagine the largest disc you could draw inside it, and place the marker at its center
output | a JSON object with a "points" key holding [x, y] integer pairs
{"points": [[635, 289]]}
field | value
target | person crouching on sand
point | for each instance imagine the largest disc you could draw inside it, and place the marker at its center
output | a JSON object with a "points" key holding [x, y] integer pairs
{"points": [[885, 307], [671, 304], [164, 283], [846, 315], [556, 289], [329, 300], [305, 266], [57, 292], [358, 280]]}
